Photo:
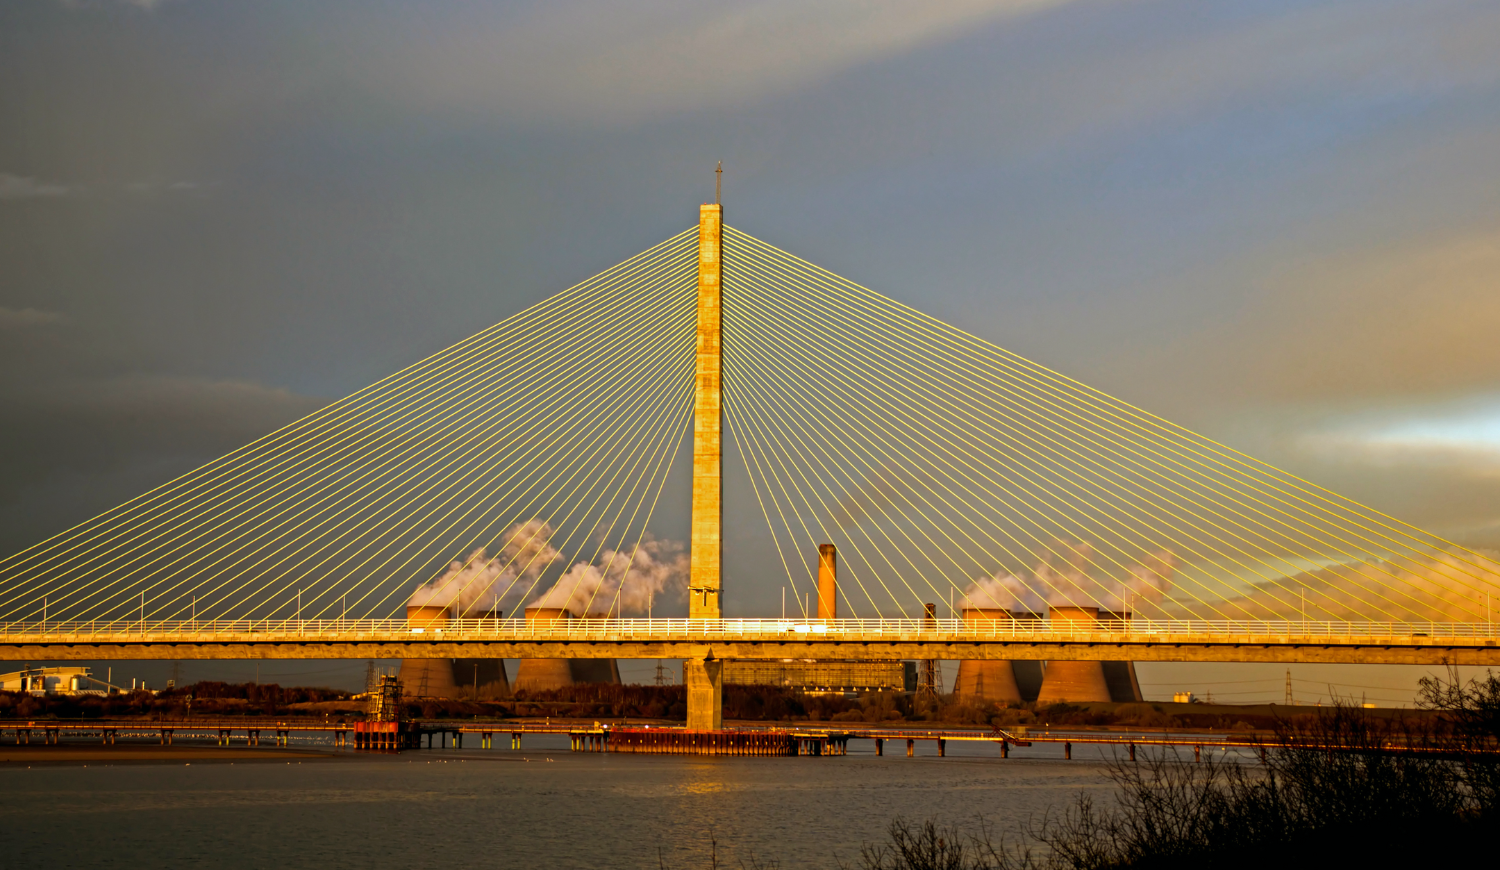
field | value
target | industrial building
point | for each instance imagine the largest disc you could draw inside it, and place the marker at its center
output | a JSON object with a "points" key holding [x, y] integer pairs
{"points": [[53, 681], [811, 675]]}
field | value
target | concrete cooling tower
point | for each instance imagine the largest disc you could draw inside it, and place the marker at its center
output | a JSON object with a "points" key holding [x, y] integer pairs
{"points": [[595, 670], [1085, 682], [1078, 682], [983, 680], [546, 674], [541, 675], [450, 678], [482, 679], [427, 678]]}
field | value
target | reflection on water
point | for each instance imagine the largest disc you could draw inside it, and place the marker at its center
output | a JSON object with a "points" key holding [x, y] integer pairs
{"points": [[509, 809]]}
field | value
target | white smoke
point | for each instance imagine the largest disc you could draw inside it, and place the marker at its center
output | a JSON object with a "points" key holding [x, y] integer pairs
{"points": [[621, 581], [476, 584], [1068, 577], [1005, 591], [1150, 580]]}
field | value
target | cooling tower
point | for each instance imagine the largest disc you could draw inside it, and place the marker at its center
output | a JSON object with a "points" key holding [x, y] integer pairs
{"points": [[427, 678], [482, 679], [540, 675], [986, 680], [595, 670], [1079, 682], [1120, 676], [1029, 677]]}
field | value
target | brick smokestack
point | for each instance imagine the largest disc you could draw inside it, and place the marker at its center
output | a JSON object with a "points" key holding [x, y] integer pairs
{"points": [[828, 581]]}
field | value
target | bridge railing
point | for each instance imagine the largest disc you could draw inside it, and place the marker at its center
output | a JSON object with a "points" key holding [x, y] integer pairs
{"points": [[500, 630]]}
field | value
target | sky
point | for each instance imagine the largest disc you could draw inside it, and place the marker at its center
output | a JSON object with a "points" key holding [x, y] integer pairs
{"points": [[1275, 223]]}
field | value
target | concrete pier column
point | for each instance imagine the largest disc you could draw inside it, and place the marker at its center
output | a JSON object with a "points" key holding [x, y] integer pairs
{"points": [[1078, 682], [705, 693]]}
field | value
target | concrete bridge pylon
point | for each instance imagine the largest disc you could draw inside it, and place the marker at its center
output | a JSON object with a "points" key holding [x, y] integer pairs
{"points": [[704, 677]]}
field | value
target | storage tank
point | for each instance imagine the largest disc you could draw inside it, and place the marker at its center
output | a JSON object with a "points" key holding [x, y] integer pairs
{"points": [[540, 675], [828, 582], [427, 678], [985, 680], [1078, 682]]}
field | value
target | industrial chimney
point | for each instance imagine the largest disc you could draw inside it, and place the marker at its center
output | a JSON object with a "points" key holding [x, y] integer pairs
{"points": [[828, 582]]}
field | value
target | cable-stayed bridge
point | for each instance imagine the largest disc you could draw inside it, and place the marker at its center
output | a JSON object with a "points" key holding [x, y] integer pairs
{"points": [[525, 469]]}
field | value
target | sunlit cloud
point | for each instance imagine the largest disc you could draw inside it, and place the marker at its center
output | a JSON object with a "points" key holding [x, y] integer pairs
{"points": [[1464, 439], [23, 187], [25, 318], [610, 62]]}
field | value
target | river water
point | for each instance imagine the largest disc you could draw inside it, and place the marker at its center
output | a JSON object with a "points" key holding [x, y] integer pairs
{"points": [[541, 807]]}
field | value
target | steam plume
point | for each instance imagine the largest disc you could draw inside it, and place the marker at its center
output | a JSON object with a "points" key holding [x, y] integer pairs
{"points": [[1444, 586], [476, 583], [636, 575], [1067, 577]]}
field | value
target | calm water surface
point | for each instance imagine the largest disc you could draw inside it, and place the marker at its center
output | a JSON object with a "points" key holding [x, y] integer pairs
{"points": [[543, 807]]}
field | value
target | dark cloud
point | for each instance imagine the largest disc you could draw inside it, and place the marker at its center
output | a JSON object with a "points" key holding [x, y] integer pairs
{"points": [[80, 444]]}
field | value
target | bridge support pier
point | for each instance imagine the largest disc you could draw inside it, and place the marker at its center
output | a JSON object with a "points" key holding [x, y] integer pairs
{"points": [[705, 693]]}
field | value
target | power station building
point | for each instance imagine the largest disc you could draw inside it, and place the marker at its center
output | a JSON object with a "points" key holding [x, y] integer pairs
{"points": [[811, 675], [53, 681]]}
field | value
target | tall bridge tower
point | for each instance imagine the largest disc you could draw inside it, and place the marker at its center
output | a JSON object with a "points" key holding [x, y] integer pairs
{"points": [[704, 676]]}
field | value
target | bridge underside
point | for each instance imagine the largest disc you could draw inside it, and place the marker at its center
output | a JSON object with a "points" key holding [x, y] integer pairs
{"points": [[1405, 652]]}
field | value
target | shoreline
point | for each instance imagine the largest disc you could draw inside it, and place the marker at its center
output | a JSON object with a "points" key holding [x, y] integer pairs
{"points": [[67, 755]]}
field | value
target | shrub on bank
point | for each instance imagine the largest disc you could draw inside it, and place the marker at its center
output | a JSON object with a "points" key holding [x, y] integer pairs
{"points": [[1341, 787]]}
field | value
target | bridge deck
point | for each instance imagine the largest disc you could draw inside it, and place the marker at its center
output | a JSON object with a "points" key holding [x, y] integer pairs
{"points": [[850, 639]]}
